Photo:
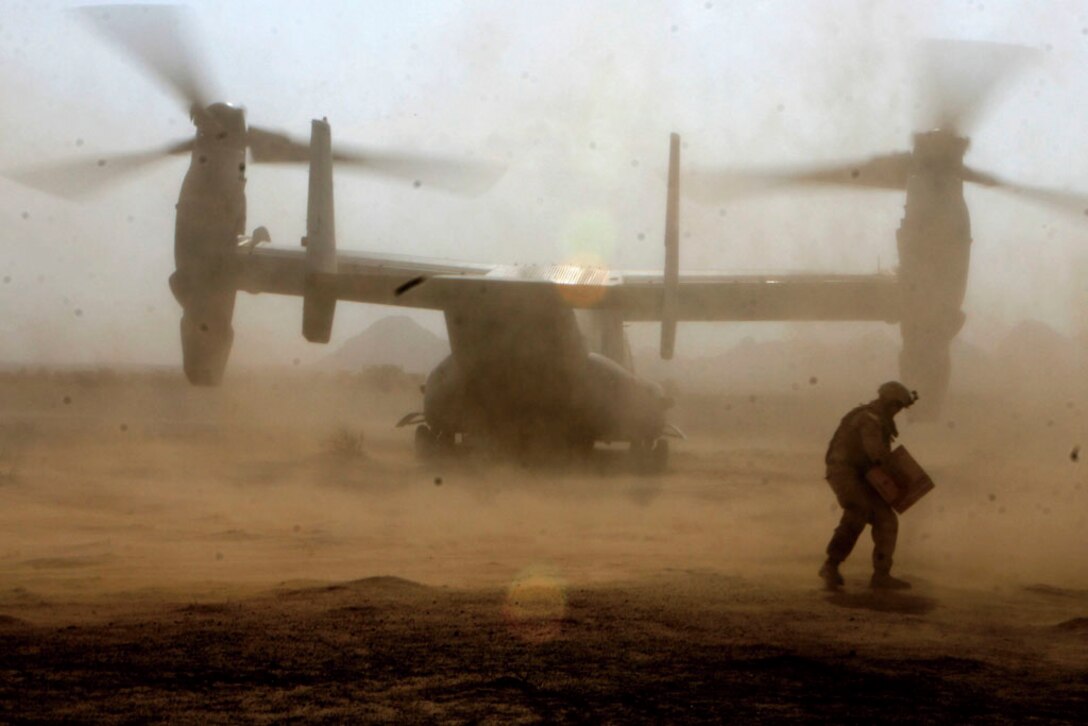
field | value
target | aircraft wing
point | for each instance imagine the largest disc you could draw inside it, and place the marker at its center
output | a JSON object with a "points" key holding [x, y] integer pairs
{"points": [[383, 279], [713, 296], [636, 296]]}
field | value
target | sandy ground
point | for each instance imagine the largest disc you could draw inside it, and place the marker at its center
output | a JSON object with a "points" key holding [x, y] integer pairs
{"points": [[272, 550]]}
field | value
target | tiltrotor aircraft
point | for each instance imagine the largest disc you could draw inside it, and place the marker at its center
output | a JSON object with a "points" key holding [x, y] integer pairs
{"points": [[539, 355]]}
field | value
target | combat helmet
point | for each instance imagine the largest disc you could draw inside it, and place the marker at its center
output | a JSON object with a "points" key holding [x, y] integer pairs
{"points": [[896, 391]]}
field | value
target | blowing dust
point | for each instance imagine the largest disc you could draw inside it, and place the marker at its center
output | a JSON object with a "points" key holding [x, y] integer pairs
{"points": [[132, 481]]}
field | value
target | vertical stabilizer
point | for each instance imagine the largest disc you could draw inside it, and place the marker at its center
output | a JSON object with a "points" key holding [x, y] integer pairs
{"points": [[319, 297], [671, 290]]}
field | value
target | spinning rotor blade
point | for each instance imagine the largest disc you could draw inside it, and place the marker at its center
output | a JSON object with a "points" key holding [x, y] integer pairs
{"points": [[272, 147], [86, 176], [156, 37], [1068, 201], [452, 175], [958, 77], [459, 176], [879, 172]]}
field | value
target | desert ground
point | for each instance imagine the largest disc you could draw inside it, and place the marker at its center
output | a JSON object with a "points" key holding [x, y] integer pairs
{"points": [[272, 550]]}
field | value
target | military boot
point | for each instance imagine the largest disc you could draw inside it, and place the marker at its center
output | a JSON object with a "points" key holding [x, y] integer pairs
{"points": [[884, 581], [829, 573]]}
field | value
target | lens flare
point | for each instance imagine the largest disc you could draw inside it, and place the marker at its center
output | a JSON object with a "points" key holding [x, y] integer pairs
{"points": [[535, 605], [588, 234]]}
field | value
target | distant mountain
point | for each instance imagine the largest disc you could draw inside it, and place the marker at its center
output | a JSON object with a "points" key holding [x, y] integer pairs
{"points": [[395, 340], [1032, 357], [789, 364]]}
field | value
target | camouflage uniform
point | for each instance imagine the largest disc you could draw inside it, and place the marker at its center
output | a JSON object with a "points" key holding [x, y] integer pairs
{"points": [[862, 441]]}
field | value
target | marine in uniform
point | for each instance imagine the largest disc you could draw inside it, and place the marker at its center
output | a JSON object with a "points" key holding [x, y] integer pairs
{"points": [[863, 440]]}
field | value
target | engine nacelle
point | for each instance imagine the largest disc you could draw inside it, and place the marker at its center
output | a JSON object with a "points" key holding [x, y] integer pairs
{"points": [[934, 243], [206, 331], [211, 215]]}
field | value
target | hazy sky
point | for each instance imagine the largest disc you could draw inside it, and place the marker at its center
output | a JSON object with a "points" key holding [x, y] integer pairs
{"points": [[578, 98]]}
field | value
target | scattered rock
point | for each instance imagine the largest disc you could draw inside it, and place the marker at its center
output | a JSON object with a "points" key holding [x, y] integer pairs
{"points": [[1073, 624]]}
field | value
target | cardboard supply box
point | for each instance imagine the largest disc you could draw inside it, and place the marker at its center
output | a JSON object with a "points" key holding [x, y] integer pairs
{"points": [[902, 482]]}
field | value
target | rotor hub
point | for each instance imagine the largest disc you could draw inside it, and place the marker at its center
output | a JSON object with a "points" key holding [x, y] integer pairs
{"points": [[939, 148], [220, 123]]}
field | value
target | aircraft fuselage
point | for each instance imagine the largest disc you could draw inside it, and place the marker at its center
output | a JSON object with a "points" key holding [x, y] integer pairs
{"points": [[520, 378]]}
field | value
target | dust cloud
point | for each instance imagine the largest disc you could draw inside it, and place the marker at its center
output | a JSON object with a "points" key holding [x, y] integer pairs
{"points": [[128, 478], [274, 546], [578, 103], [286, 499]]}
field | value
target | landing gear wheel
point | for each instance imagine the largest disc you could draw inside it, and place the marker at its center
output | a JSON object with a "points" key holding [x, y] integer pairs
{"points": [[431, 444], [650, 457], [426, 442], [659, 455]]}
